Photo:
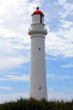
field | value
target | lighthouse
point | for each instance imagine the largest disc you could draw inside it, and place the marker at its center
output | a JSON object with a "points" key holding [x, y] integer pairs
{"points": [[37, 32]]}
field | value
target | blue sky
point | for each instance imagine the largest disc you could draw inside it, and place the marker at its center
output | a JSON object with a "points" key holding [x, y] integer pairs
{"points": [[15, 19]]}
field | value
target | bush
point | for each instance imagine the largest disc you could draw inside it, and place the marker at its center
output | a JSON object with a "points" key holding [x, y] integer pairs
{"points": [[33, 104]]}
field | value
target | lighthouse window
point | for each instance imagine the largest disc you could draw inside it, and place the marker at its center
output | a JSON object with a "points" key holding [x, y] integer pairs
{"points": [[39, 48], [39, 88], [41, 16]]}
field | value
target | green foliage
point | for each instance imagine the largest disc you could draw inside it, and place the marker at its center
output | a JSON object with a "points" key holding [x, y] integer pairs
{"points": [[33, 104]]}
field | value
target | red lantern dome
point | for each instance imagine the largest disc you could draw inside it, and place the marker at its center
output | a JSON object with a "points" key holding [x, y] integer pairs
{"points": [[37, 12]]}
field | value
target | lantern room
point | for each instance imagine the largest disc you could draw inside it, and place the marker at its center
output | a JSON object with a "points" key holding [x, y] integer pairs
{"points": [[37, 16]]}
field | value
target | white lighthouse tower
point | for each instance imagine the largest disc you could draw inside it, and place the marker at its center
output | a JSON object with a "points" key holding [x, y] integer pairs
{"points": [[37, 31]]}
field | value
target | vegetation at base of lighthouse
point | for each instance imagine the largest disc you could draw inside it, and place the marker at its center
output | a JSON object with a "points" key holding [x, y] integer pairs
{"points": [[33, 104]]}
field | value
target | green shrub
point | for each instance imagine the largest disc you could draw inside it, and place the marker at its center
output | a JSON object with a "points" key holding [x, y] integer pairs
{"points": [[33, 104]]}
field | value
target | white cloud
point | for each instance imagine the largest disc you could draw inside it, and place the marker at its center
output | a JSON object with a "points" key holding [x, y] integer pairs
{"points": [[15, 78], [67, 8], [61, 1], [14, 33], [50, 89], [14, 39], [9, 6], [70, 65], [12, 62], [63, 14], [66, 24], [67, 35], [60, 42], [15, 96], [19, 78], [54, 76], [10, 55], [12, 97], [6, 88], [12, 73], [60, 96], [51, 58], [38, 2]]}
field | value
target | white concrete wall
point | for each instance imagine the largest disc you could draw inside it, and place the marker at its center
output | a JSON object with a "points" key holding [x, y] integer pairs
{"points": [[37, 26], [38, 69], [36, 18]]}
